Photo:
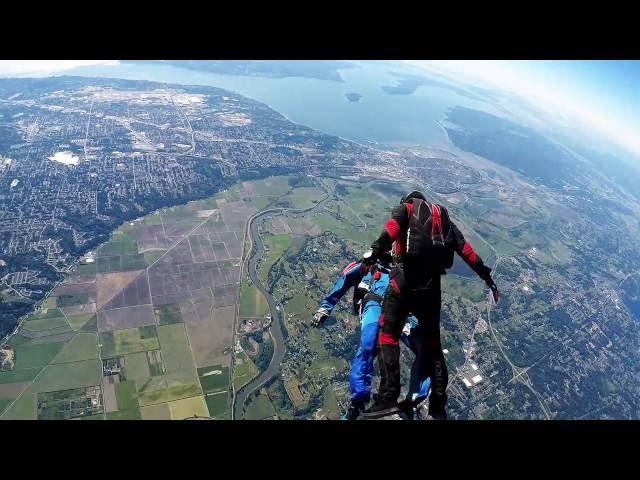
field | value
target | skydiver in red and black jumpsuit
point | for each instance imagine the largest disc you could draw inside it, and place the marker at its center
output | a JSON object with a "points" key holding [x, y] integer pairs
{"points": [[425, 240]]}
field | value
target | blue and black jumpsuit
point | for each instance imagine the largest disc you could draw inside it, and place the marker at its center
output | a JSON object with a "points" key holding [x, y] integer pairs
{"points": [[356, 275]]}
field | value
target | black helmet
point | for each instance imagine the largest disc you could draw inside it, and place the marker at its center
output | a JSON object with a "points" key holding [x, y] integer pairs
{"points": [[413, 194]]}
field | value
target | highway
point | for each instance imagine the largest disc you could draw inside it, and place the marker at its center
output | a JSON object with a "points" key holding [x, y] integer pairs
{"points": [[519, 373]]}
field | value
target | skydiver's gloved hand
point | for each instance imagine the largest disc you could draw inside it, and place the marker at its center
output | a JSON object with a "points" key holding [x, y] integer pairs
{"points": [[385, 259], [319, 317], [369, 258], [495, 293], [485, 274]]}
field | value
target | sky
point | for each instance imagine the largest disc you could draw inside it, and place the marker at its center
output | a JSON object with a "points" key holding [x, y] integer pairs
{"points": [[603, 93], [30, 67]]}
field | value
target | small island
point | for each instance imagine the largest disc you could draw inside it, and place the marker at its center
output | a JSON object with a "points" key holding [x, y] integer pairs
{"points": [[407, 84], [353, 96]]}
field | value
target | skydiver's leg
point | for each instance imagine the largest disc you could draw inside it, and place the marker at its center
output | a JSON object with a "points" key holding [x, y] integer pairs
{"points": [[362, 366], [392, 320], [425, 305], [409, 341], [420, 381]]}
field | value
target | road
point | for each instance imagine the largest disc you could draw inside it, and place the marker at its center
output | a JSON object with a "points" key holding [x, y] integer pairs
{"points": [[627, 277], [519, 373], [279, 349]]}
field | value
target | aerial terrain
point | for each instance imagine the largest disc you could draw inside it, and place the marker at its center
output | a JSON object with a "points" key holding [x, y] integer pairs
{"points": [[164, 246]]}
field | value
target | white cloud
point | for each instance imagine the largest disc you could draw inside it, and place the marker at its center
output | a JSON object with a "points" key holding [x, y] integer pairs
{"points": [[20, 68], [541, 89]]}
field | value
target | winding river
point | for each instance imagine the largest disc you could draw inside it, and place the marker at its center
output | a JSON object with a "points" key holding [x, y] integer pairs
{"points": [[279, 349]]}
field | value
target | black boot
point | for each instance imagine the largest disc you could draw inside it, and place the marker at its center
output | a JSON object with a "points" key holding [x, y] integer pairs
{"points": [[355, 409], [407, 407], [381, 408], [386, 400], [437, 405]]}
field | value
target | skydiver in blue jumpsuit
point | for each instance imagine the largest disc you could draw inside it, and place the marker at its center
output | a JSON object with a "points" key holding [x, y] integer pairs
{"points": [[369, 283]]}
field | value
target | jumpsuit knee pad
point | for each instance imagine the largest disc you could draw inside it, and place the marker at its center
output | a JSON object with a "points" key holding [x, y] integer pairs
{"points": [[437, 365], [440, 377]]}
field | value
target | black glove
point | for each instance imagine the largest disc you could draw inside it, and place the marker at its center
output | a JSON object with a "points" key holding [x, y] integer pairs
{"points": [[485, 274], [494, 292], [319, 317], [371, 259], [385, 259]]}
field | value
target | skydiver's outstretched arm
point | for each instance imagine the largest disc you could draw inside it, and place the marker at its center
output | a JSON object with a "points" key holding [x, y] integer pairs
{"points": [[468, 254], [465, 250], [350, 277]]}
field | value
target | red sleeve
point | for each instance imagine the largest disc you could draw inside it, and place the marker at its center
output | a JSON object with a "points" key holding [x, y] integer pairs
{"points": [[468, 254], [399, 218], [393, 227]]}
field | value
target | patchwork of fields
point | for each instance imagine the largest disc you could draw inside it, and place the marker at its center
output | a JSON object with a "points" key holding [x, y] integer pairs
{"points": [[144, 328]]}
